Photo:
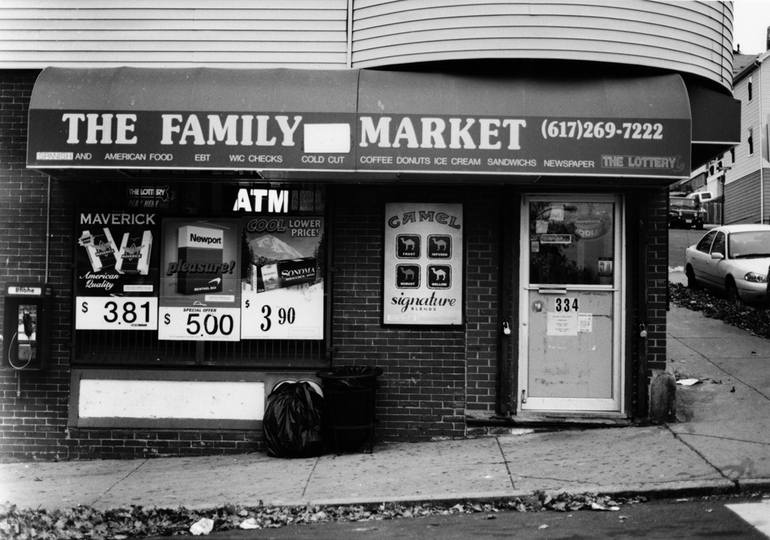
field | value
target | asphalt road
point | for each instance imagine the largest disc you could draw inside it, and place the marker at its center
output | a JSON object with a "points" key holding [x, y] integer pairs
{"points": [[661, 519]]}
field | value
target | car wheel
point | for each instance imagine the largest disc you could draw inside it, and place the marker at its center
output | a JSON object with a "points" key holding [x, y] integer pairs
{"points": [[699, 226], [731, 293], [691, 282]]}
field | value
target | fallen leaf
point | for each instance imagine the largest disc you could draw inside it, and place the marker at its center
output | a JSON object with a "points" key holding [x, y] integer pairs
{"points": [[202, 527], [249, 524]]}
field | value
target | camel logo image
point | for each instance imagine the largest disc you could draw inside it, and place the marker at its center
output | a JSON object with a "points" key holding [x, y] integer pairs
{"points": [[408, 246], [440, 246], [439, 276], [407, 276]]}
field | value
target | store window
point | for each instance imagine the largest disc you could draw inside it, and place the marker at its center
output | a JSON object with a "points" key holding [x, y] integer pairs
{"points": [[568, 240], [205, 273]]}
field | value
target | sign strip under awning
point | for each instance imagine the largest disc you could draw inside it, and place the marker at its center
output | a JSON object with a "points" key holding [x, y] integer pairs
{"points": [[389, 122]]}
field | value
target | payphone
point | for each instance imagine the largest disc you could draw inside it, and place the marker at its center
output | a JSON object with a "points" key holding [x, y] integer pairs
{"points": [[25, 328]]}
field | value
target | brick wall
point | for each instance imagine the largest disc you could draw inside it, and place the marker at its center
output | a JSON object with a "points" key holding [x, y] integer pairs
{"points": [[32, 423], [423, 391], [482, 275], [657, 279]]}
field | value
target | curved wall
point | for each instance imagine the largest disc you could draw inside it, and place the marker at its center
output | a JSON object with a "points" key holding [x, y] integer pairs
{"points": [[688, 37], [683, 36]]}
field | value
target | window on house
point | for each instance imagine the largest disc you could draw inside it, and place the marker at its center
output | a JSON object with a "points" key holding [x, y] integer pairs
{"points": [[751, 89], [750, 140], [732, 155]]}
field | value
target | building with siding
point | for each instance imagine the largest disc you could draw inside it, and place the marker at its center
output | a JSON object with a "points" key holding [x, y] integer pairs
{"points": [[746, 195], [736, 179], [200, 202]]}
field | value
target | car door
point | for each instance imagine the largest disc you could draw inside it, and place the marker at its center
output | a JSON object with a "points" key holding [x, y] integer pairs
{"points": [[700, 257], [715, 269]]}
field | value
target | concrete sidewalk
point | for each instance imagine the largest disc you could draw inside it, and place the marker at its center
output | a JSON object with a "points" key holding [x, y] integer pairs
{"points": [[722, 442]]}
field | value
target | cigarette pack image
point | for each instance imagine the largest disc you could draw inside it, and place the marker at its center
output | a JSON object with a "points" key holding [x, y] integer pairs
{"points": [[134, 254], [282, 274], [101, 249], [200, 252]]}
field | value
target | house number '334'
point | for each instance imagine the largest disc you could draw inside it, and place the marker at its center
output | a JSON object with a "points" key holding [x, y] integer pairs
{"points": [[566, 304]]}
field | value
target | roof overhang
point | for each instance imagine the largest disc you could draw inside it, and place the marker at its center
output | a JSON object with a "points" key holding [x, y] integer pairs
{"points": [[716, 123], [365, 122]]}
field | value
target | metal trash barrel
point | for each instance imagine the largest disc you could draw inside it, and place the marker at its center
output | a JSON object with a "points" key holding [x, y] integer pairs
{"points": [[349, 396]]}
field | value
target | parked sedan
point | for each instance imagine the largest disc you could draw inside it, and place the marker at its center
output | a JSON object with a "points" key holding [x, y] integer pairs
{"points": [[734, 259]]}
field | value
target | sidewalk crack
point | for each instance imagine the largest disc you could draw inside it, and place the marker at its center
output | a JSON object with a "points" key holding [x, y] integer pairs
{"points": [[720, 437], [309, 476], [703, 457], [116, 482], [505, 461]]}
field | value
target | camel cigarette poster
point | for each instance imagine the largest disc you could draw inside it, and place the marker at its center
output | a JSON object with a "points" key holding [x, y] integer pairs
{"points": [[423, 272]]}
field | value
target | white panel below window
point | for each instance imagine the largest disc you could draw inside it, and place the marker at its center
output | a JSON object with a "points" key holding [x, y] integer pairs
{"points": [[212, 400]]}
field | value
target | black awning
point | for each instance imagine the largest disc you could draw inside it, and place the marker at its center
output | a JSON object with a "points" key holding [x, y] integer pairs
{"points": [[360, 121], [716, 123]]}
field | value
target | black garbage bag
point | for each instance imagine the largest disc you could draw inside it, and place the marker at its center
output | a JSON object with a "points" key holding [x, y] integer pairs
{"points": [[292, 421]]}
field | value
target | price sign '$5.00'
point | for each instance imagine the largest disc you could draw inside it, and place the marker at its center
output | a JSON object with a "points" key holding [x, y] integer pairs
{"points": [[199, 324]]}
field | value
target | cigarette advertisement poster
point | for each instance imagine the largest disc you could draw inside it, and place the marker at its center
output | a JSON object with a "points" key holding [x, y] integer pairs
{"points": [[423, 272], [282, 286], [200, 280], [116, 283]]}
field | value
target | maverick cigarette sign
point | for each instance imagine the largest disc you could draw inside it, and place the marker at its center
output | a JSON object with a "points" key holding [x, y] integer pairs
{"points": [[116, 271], [423, 272], [263, 140]]}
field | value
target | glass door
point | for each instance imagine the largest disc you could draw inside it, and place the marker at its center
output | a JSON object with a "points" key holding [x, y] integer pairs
{"points": [[570, 334]]}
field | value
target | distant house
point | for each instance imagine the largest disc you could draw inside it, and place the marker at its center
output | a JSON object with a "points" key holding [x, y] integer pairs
{"points": [[739, 179]]}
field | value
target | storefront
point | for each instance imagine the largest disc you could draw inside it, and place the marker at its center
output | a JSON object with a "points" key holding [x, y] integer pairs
{"points": [[495, 243]]}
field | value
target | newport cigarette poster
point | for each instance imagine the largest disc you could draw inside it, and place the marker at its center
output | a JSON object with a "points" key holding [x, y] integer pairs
{"points": [[200, 280], [423, 274], [116, 282], [282, 283]]}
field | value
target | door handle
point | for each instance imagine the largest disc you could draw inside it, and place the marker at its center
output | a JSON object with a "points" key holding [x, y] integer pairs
{"points": [[552, 291]]}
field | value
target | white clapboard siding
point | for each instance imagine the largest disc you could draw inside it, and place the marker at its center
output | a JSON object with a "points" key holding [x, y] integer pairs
{"points": [[691, 37], [174, 33], [747, 163]]}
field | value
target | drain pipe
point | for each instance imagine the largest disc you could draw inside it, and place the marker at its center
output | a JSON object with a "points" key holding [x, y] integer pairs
{"points": [[47, 228], [761, 147]]}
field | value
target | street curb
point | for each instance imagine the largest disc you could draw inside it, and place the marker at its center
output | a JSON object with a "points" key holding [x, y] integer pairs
{"points": [[695, 489]]}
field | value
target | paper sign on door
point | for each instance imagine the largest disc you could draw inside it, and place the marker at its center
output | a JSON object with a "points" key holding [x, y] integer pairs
{"points": [[561, 324]]}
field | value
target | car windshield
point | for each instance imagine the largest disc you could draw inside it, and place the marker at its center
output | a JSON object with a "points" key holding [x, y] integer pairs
{"points": [[684, 203], [750, 244]]}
